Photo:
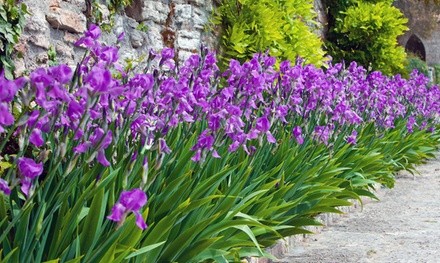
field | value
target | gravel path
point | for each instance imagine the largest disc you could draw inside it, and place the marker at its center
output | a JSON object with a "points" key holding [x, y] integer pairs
{"points": [[404, 226]]}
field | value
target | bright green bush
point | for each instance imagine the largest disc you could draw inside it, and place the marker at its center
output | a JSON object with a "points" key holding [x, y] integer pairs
{"points": [[285, 28], [367, 32]]}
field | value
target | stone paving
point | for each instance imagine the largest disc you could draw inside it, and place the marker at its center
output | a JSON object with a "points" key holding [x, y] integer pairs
{"points": [[404, 226]]}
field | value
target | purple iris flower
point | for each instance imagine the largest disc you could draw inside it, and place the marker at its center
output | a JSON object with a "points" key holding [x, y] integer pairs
{"points": [[93, 32], [205, 141], [6, 118], [167, 53], [410, 124], [297, 133], [29, 170], [269, 61], [167, 58], [99, 79], [352, 139], [62, 73], [211, 60], [263, 125], [90, 37], [322, 133], [234, 146], [4, 187], [36, 138], [100, 141], [197, 156], [193, 61], [163, 146], [9, 87], [109, 54], [214, 122], [75, 110], [129, 201]]}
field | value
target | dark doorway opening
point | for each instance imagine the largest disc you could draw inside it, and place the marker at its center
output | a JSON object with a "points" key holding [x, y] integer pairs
{"points": [[415, 46]]}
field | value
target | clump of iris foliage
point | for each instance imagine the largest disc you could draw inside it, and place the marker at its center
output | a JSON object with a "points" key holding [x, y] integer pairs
{"points": [[189, 164]]}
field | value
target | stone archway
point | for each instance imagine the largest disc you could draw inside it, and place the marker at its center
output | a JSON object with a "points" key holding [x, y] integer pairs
{"points": [[415, 45]]}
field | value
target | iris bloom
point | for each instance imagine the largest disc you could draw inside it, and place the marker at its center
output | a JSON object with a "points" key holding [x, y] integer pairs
{"points": [[297, 133], [4, 187], [129, 201], [29, 170]]}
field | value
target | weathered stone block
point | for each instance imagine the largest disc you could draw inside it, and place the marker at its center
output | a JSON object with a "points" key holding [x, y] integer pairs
{"points": [[54, 3], [20, 67], [70, 38], [40, 41], [199, 18], [188, 43], [198, 2], [155, 11], [136, 39], [66, 20], [81, 4], [183, 13], [134, 10], [36, 22], [154, 36], [42, 58], [188, 34], [64, 50]]}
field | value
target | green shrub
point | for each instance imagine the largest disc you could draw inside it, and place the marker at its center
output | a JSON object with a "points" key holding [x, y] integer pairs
{"points": [[285, 28], [414, 62], [437, 73], [11, 26], [367, 32]]}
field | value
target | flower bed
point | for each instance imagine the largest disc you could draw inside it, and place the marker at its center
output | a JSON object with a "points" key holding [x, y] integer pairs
{"points": [[189, 164]]}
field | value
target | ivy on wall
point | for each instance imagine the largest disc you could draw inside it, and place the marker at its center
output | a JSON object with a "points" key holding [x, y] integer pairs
{"points": [[11, 26], [95, 13]]}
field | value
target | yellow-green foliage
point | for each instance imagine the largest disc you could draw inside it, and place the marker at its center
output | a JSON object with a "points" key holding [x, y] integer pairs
{"points": [[367, 32], [284, 27]]}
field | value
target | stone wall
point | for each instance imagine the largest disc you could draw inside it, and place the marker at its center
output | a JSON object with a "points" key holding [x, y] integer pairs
{"points": [[57, 24], [321, 17], [423, 22]]}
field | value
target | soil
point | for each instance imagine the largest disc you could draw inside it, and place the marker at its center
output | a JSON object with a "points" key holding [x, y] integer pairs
{"points": [[404, 226]]}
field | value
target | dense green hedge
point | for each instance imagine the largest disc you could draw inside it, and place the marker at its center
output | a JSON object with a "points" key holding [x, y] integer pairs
{"points": [[286, 28], [366, 32]]}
